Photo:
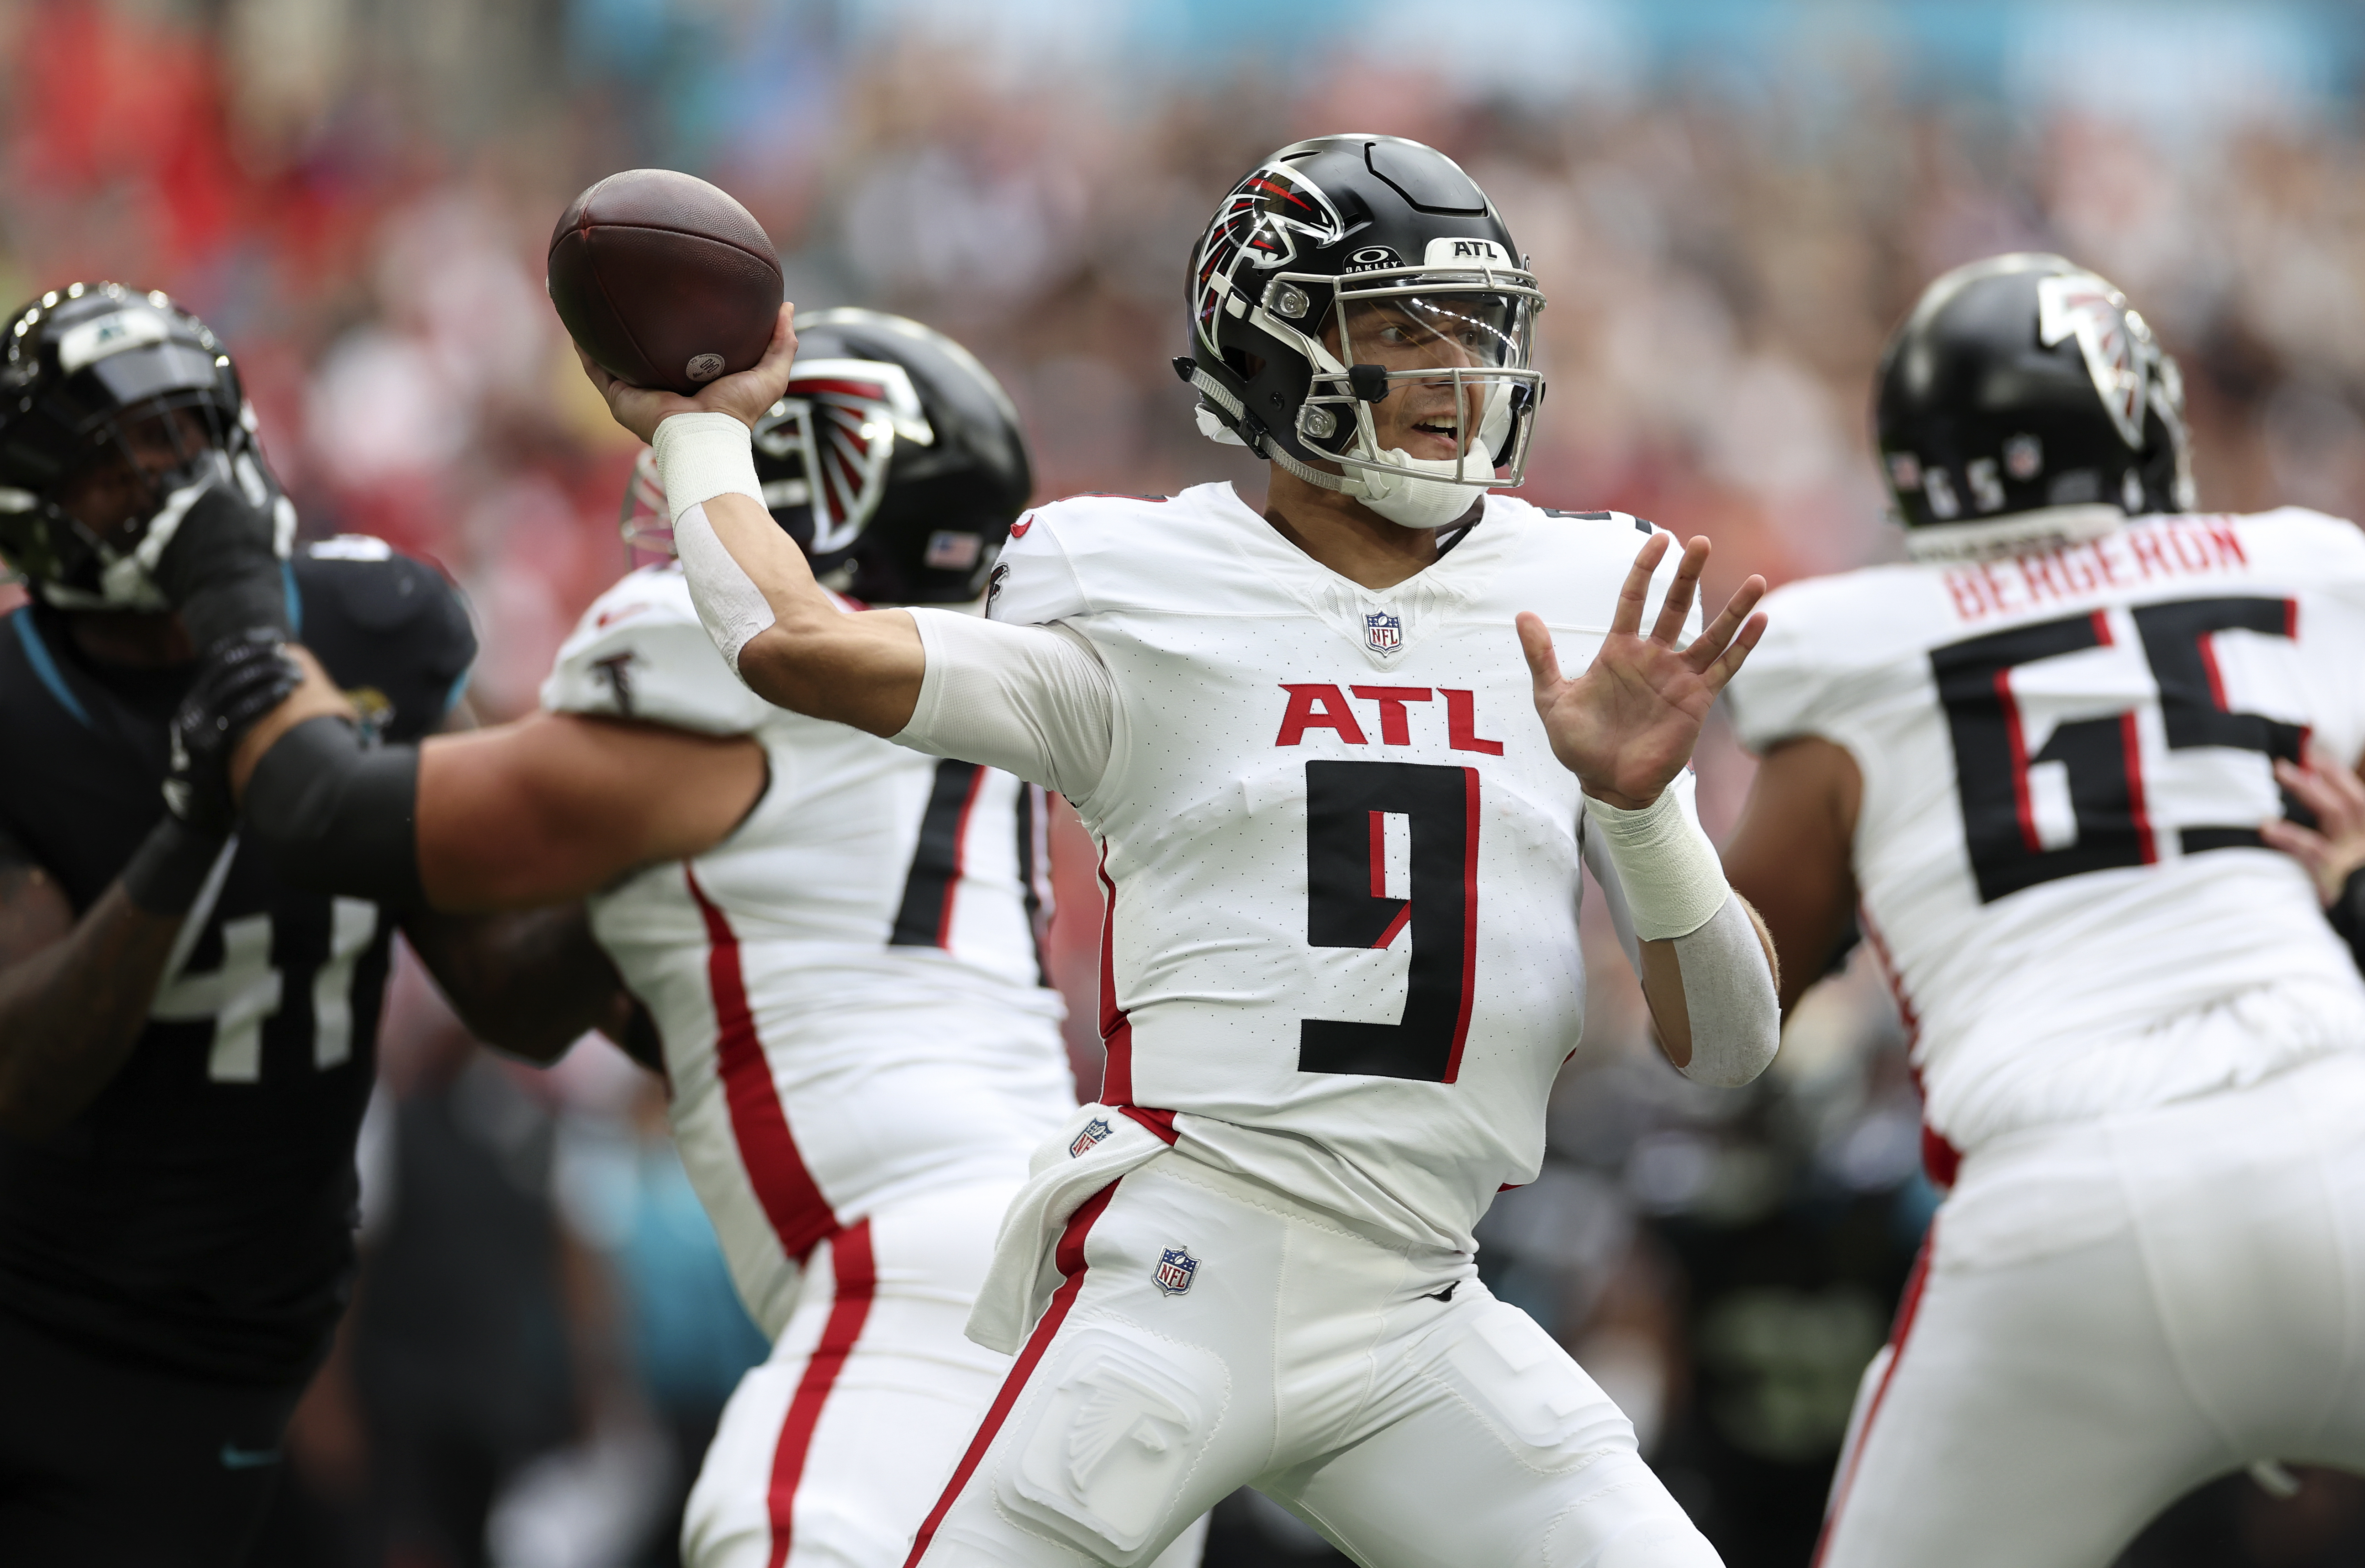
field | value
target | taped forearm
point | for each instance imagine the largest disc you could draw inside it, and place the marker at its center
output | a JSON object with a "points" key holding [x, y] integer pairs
{"points": [[335, 818], [1034, 700], [1667, 871], [1730, 996], [701, 456]]}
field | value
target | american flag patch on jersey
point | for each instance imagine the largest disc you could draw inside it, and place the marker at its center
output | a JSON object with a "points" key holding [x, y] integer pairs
{"points": [[1382, 633], [1175, 1270], [1094, 1130]]}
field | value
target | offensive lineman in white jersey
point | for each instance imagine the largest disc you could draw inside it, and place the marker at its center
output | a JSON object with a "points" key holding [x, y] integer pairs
{"points": [[1340, 968], [833, 938], [2042, 756]]}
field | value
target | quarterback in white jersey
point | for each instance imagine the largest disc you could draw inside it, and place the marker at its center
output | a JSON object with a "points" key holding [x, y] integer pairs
{"points": [[2041, 757], [1340, 966], [832, 939]]}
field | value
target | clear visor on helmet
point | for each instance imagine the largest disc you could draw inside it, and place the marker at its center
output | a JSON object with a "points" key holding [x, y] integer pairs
{"points": [[1434, 367]]}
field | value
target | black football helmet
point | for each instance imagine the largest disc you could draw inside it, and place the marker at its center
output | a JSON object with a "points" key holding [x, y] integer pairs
{"points": [[86, 367], [895, 461], [1324, 240], [2024, 403]]}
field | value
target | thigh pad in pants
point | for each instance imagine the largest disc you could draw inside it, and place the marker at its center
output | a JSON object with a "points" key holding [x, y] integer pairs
{"points": [[1113, 1426]]}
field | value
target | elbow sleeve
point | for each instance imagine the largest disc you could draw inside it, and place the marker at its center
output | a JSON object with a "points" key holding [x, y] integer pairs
{"points": [[336, 818], [1736, 1018], [1034, 700]]}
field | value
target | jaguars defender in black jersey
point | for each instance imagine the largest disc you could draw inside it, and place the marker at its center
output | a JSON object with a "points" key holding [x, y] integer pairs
{"points": [[186, 1039]]}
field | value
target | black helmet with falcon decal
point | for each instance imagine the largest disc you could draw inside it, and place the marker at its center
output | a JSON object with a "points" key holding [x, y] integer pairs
{"points": [[1338, 269], [894, 460], [2023, 403]]}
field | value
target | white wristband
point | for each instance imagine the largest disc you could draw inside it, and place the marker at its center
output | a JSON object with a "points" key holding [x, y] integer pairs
{"points": [[701, 456], [1672, 882]]}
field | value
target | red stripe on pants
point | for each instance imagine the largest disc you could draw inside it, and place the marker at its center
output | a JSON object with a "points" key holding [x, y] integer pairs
{"points": [[1070, 1256], [856, 1279], [790, 1199], [1906, 1308]]}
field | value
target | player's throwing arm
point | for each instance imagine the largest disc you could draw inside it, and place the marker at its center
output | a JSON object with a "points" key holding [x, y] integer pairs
{"points": [[785, 638]]}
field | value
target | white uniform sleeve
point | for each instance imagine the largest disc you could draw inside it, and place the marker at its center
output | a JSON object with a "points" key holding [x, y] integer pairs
{"points": [[1729, 994], [1034, 582], [1033, 701], [640, 653]]}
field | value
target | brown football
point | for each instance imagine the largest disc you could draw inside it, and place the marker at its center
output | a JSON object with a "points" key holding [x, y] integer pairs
{"points": [[664, 280]]}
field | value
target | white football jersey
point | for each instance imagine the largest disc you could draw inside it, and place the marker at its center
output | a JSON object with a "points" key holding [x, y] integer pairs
{"points": [[849, 986], [1342, 864], [2065, 758]]}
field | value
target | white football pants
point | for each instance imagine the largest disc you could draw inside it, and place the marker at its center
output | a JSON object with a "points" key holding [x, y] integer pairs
{"points": [[1211, 1333], [832, 1450], [2107, 1315]]}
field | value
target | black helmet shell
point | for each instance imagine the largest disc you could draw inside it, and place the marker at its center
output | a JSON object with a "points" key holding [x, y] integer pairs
{"points": [[1364, 215], [895, 460], [81, 365], [2023, 401]]}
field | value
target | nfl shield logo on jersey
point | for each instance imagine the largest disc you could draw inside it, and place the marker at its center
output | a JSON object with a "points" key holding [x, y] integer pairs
{"points": [[1175, 1269], [1382, 633], [1094, 1130]]}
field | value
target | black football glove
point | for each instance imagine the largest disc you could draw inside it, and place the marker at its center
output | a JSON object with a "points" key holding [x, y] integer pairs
{"points": [[242, 678], [222, 562]]}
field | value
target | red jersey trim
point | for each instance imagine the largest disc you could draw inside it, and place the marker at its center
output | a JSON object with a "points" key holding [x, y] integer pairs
{"points": [[792, 1199], [1116, 1029]]}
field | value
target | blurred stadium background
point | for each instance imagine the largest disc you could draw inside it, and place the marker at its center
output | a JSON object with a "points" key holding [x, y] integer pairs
{"points": [[1729, 202]]}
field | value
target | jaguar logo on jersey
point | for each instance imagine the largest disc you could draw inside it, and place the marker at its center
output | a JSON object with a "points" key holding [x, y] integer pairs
{"points": [[838, 424], [1176, 1270], [372, 712], [1382, 633], [1261, 224], [1094, 1131], [2113, 339]]}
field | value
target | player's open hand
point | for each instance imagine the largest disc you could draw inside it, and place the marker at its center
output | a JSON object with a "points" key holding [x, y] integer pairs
{"points": [[746, 397], [2334, 847], [1628, 724]]}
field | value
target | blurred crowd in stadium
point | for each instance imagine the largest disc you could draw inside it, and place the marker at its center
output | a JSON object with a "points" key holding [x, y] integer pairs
{"points": [[357, 194]]}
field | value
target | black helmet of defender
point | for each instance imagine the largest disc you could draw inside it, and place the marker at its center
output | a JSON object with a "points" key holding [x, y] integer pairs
{"points": [[86, 367], [2023, 403], [1322, 248], [895, 460]]}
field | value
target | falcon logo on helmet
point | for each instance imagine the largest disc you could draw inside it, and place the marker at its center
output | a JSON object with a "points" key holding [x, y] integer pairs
{"points": [[2107, 333], [1260, 225], [2022, 405], [839, 421], [1339, 270], [894, 460]]}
